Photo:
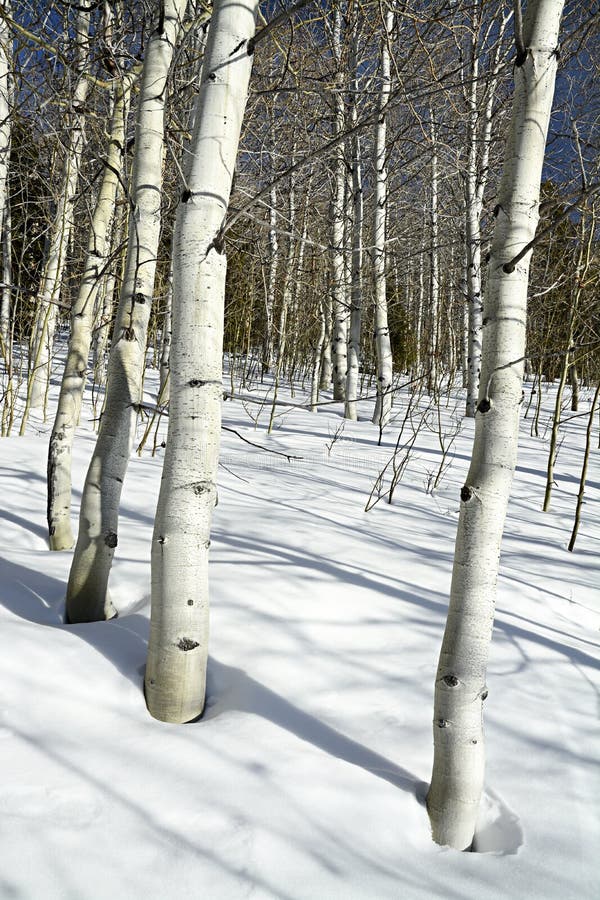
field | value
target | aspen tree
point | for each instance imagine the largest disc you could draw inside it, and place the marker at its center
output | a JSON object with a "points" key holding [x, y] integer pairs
{"points": [[177, 653], [87, 591], [82, 315], [587, 237], [58, 242], [355, 202], [460, 688], [479, 136], [435, 363], [5, 127], [6, 101], [338, 265], [383, 345]]}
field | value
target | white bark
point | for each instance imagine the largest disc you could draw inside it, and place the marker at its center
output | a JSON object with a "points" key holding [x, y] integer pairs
{"points": [[105, 305], [434, 271], [479, 135], [419, 316], [317, 377], [82, 315], [286, 297], [166, 338], [351, 411], [338, 266], [87, 592], [5, 129], [326, 362], [458, 768], [271, 277], [355, 203], [383, 345], [177, 652], [50, 288]]}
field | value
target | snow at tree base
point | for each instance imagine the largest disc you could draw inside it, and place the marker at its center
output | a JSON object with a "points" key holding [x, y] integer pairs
{"points": [[306, 775]]}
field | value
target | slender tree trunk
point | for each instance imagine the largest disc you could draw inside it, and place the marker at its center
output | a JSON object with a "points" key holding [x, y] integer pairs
{"points": [[479, 137], [49, 293], [584, 468], [583, 263], [458, 767], [356, 240], [106, 298], [271, 278], [351, 411], [318, 358], [82, 316], [338, 263], [87, 591], [383, 345], [286, 295], [419, 316], [574, 382], [166, 337], [5, 134], [434, 270], [177, 652]]}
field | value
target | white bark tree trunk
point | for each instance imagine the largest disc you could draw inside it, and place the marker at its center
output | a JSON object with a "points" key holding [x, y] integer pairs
{"points": [[434, 270], [82, 316], [177, 652], [458, 768], [355, 204], [286, 297], [351, 411], [49, 293], [105, 304], [165, 341], [338, 264], [5, 129], [479, 136], [326, 362], [318, 357], [383, 345], [271, 276], [87, 591]]}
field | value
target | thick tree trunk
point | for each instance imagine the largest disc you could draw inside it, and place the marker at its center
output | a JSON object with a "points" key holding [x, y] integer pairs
{"points": [[458, 768], [177, 652], [82, 316], [87, 592]]}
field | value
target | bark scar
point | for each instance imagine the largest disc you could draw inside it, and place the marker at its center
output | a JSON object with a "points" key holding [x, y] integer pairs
{"points": [[186, 644]]}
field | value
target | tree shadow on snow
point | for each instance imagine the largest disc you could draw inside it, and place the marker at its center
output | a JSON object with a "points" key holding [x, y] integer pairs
{"points": [[231, 689]]}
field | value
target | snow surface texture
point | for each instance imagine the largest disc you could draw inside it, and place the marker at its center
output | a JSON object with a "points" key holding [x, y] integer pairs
{"points": [[306, 775]]}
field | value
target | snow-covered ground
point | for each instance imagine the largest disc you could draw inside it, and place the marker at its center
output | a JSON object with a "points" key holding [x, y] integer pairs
{"points": [[305, 777]]}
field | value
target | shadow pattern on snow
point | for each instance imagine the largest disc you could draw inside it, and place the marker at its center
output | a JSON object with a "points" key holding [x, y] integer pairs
{"points": [[231, 689]]}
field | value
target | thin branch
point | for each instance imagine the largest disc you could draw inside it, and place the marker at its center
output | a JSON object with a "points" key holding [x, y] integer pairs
{"points": [[287, 456], [510, 266], [270, 26]]}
